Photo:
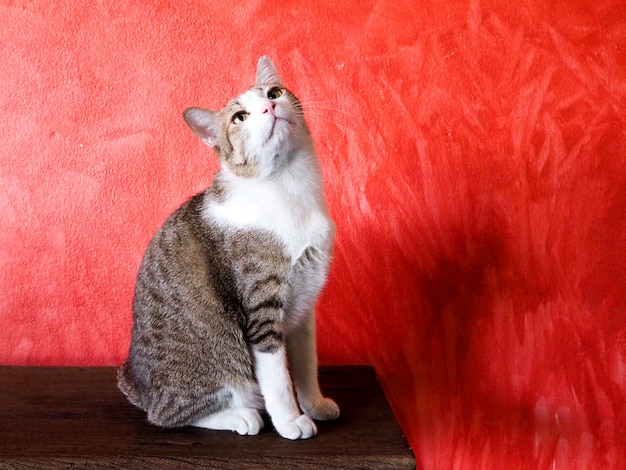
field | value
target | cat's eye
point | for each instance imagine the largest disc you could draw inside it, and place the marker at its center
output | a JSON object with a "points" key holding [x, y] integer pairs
{"points": [[274, 93], [239, 117]]}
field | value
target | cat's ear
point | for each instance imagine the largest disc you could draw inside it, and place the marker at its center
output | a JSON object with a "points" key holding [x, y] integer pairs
{"points": [[204, 123], [266, 74]]}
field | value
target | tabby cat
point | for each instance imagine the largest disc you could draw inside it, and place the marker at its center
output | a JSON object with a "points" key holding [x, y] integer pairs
{"points": [[223, 313]]}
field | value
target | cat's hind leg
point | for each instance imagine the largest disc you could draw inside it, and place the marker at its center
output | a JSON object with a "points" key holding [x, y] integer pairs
{"points": [[244, 421], [241, 416]]}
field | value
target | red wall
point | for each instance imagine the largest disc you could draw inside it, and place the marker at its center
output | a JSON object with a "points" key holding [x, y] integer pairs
{"points": [[475, 163]]}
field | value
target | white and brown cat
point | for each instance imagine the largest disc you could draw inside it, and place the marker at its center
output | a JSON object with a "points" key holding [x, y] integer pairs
{"points": [[223, 313]]}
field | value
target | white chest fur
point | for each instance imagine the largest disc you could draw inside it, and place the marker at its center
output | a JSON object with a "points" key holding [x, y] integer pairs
{"points": [[292, 209]]}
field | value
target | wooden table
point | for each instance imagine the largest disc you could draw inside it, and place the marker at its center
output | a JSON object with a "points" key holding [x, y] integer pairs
{"points": [[68, 417]]}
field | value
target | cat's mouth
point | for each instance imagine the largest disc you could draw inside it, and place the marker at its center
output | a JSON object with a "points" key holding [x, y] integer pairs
{"points": [[275, 123]]}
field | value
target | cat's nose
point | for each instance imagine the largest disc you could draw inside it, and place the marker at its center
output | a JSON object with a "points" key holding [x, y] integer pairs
{"points": [[269, 108]]}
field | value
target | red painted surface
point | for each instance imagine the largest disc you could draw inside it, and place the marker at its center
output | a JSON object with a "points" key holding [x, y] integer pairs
{"points": [[475, 163]]}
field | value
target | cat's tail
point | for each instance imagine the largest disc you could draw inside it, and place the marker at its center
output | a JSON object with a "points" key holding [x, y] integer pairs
{"points": [[127, 386]]}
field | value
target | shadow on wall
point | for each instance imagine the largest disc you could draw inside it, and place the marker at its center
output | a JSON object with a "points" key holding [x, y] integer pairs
{"points": [[498, 360], [455, 403]]}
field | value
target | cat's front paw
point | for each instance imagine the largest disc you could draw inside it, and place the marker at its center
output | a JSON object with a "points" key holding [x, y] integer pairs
{"points": [[300, 428], [326, 409]]}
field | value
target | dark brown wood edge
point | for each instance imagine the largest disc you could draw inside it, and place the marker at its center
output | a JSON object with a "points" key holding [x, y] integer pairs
{"points": [[64, 417]]}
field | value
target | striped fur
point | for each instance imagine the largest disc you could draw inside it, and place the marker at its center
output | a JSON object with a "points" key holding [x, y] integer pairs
{"points": [[227, 286]]}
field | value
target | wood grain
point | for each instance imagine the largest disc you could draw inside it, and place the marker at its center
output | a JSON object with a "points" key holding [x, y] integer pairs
{"points": [[62, 417]]}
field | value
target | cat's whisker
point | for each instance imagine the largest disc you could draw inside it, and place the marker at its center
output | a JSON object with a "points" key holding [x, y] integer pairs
{"points": [[309, 107], [325, 121], [319, 109], [320, 116], [320, 105], [321, 119]]}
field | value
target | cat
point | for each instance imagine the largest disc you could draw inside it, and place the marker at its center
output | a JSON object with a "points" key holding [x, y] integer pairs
{"points": [[223, 312]]}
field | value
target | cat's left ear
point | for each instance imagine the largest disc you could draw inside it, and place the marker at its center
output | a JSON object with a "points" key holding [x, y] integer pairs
{"points": [[203, 123], [266, 74]]}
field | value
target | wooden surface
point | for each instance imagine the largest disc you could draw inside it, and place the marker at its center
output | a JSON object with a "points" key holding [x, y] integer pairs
{"points": [[76, 418]]}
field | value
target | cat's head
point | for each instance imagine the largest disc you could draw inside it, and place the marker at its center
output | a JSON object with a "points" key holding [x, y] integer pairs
{"points": [[255, 133]]}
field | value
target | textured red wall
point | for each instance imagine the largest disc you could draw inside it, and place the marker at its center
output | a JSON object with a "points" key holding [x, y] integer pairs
{"points": [[475, 163]]}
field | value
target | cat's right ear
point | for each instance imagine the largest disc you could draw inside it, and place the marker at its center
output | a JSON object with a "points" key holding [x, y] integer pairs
{"points": [[203, 123], [266, 74]]}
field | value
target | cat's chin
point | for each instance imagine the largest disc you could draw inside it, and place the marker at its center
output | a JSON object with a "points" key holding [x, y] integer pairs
{"points": [[279, 129]]}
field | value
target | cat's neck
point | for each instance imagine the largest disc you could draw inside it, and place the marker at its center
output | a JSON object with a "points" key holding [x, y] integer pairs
{"points": [[289, 203], [297, 178]]}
